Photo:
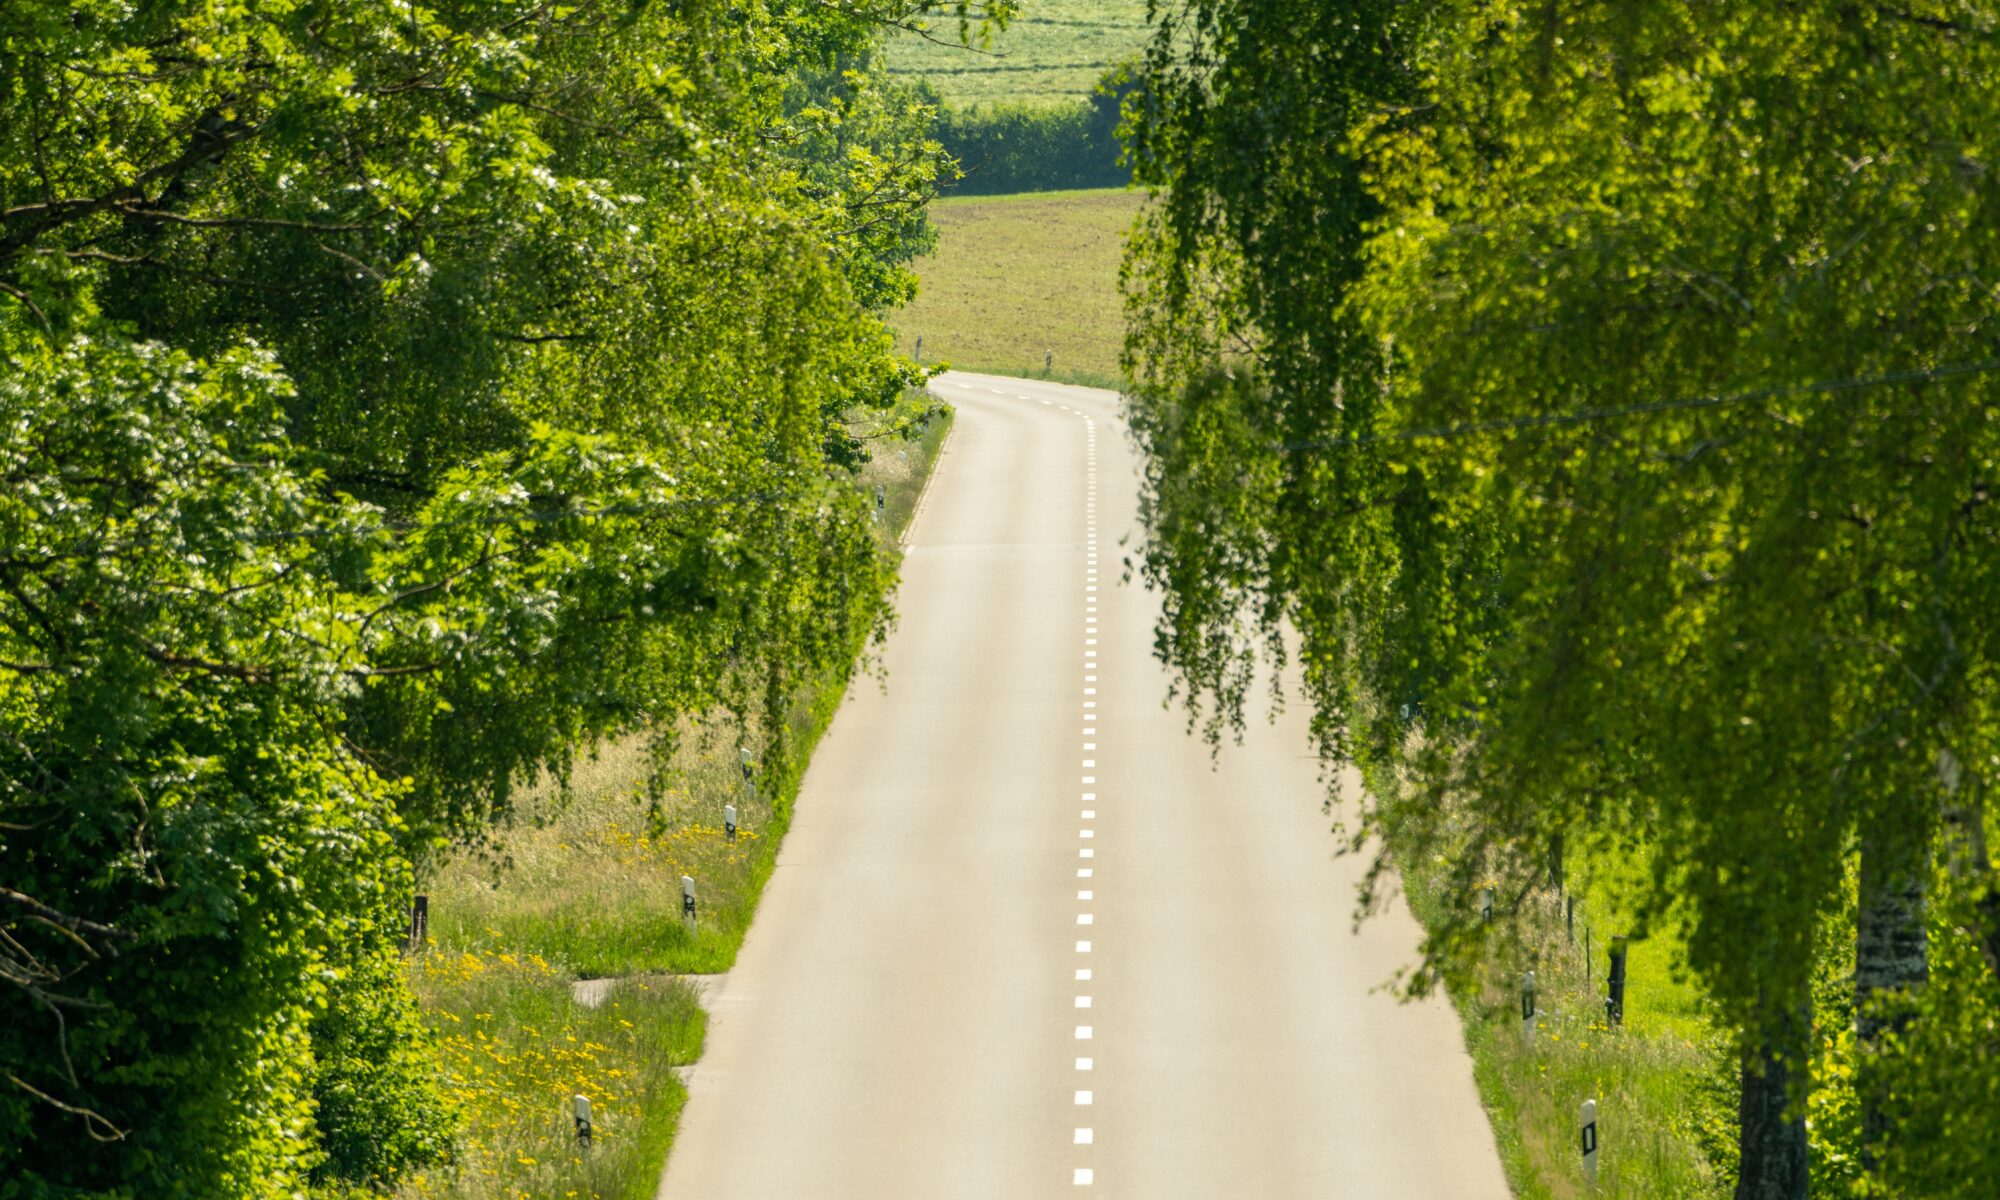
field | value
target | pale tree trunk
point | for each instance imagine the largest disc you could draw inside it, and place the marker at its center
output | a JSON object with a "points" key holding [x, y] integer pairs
{"points": [[1771, 1123], [1891, 950]]}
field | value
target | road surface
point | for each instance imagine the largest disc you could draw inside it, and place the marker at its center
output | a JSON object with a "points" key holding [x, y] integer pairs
{"points": [[1025, 939]]}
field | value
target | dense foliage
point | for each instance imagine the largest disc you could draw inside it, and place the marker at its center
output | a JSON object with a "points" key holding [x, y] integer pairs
{"points": [[1007, 148], [1594, 402], [392, 400]]}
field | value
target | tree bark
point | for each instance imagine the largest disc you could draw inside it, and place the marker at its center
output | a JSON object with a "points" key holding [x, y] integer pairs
{"points": [[1891, 951], [1771, 1123]]}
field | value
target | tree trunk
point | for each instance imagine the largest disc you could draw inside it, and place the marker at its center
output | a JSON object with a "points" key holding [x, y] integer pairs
{"points": [[1771, 1123], [1891, 951]]}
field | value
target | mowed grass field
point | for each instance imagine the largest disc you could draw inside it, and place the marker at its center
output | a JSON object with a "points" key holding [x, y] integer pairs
{"points": [[1054, 53], [1015, 277]]}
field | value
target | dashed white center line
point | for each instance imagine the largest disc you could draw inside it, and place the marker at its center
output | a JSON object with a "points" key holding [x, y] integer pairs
{"points": [[1085, 1135]]}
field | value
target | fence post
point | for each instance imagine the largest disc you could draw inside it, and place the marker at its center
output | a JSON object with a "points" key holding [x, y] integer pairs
{"points": [[420, 920], [1614, 1004], [1528, 1006]]}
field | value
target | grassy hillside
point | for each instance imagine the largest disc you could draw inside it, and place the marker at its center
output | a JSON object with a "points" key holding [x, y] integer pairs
{"points": [[1054, 53], [1016, 276]]}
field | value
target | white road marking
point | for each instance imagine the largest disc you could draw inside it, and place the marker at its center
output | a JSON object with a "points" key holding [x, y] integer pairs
{"points": [[1083, 1136]]}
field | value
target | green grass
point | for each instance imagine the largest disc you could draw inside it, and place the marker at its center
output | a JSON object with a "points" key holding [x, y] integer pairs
{"points": [[586, 884], [516, 1048], [1015, 276], [1661, 1081], [1054, 53]]}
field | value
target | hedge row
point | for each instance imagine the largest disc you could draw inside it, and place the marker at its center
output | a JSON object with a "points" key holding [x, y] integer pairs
{"points": [[1022, 148]]}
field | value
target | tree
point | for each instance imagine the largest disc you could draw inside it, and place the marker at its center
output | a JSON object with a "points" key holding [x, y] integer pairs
{"points": [[1613, 434], [395, 400]]}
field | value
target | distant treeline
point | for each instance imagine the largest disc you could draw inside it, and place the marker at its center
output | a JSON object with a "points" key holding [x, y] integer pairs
{"points": [[1031, 148]]}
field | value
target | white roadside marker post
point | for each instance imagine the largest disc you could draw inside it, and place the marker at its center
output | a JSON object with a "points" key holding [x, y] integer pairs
{"points": [[1590, 1142], [747, 764], [583, 1130], [881, 500], [1528, 1006], [729, 821], [1486, 904], [687, 898]]}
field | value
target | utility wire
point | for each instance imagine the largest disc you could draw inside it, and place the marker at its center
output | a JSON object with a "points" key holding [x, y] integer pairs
{"points": [[1591, 415]]}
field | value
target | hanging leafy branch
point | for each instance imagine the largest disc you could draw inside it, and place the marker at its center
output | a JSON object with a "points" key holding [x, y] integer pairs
{"points": [[1398, 249]]}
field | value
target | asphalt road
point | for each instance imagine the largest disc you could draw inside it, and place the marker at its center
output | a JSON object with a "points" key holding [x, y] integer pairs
{"points": [[1026, 939]]}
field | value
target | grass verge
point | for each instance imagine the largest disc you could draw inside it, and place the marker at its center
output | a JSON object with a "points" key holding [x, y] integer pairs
{"points": [[1663, 1081], [1016, 277], [585, 884]]}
